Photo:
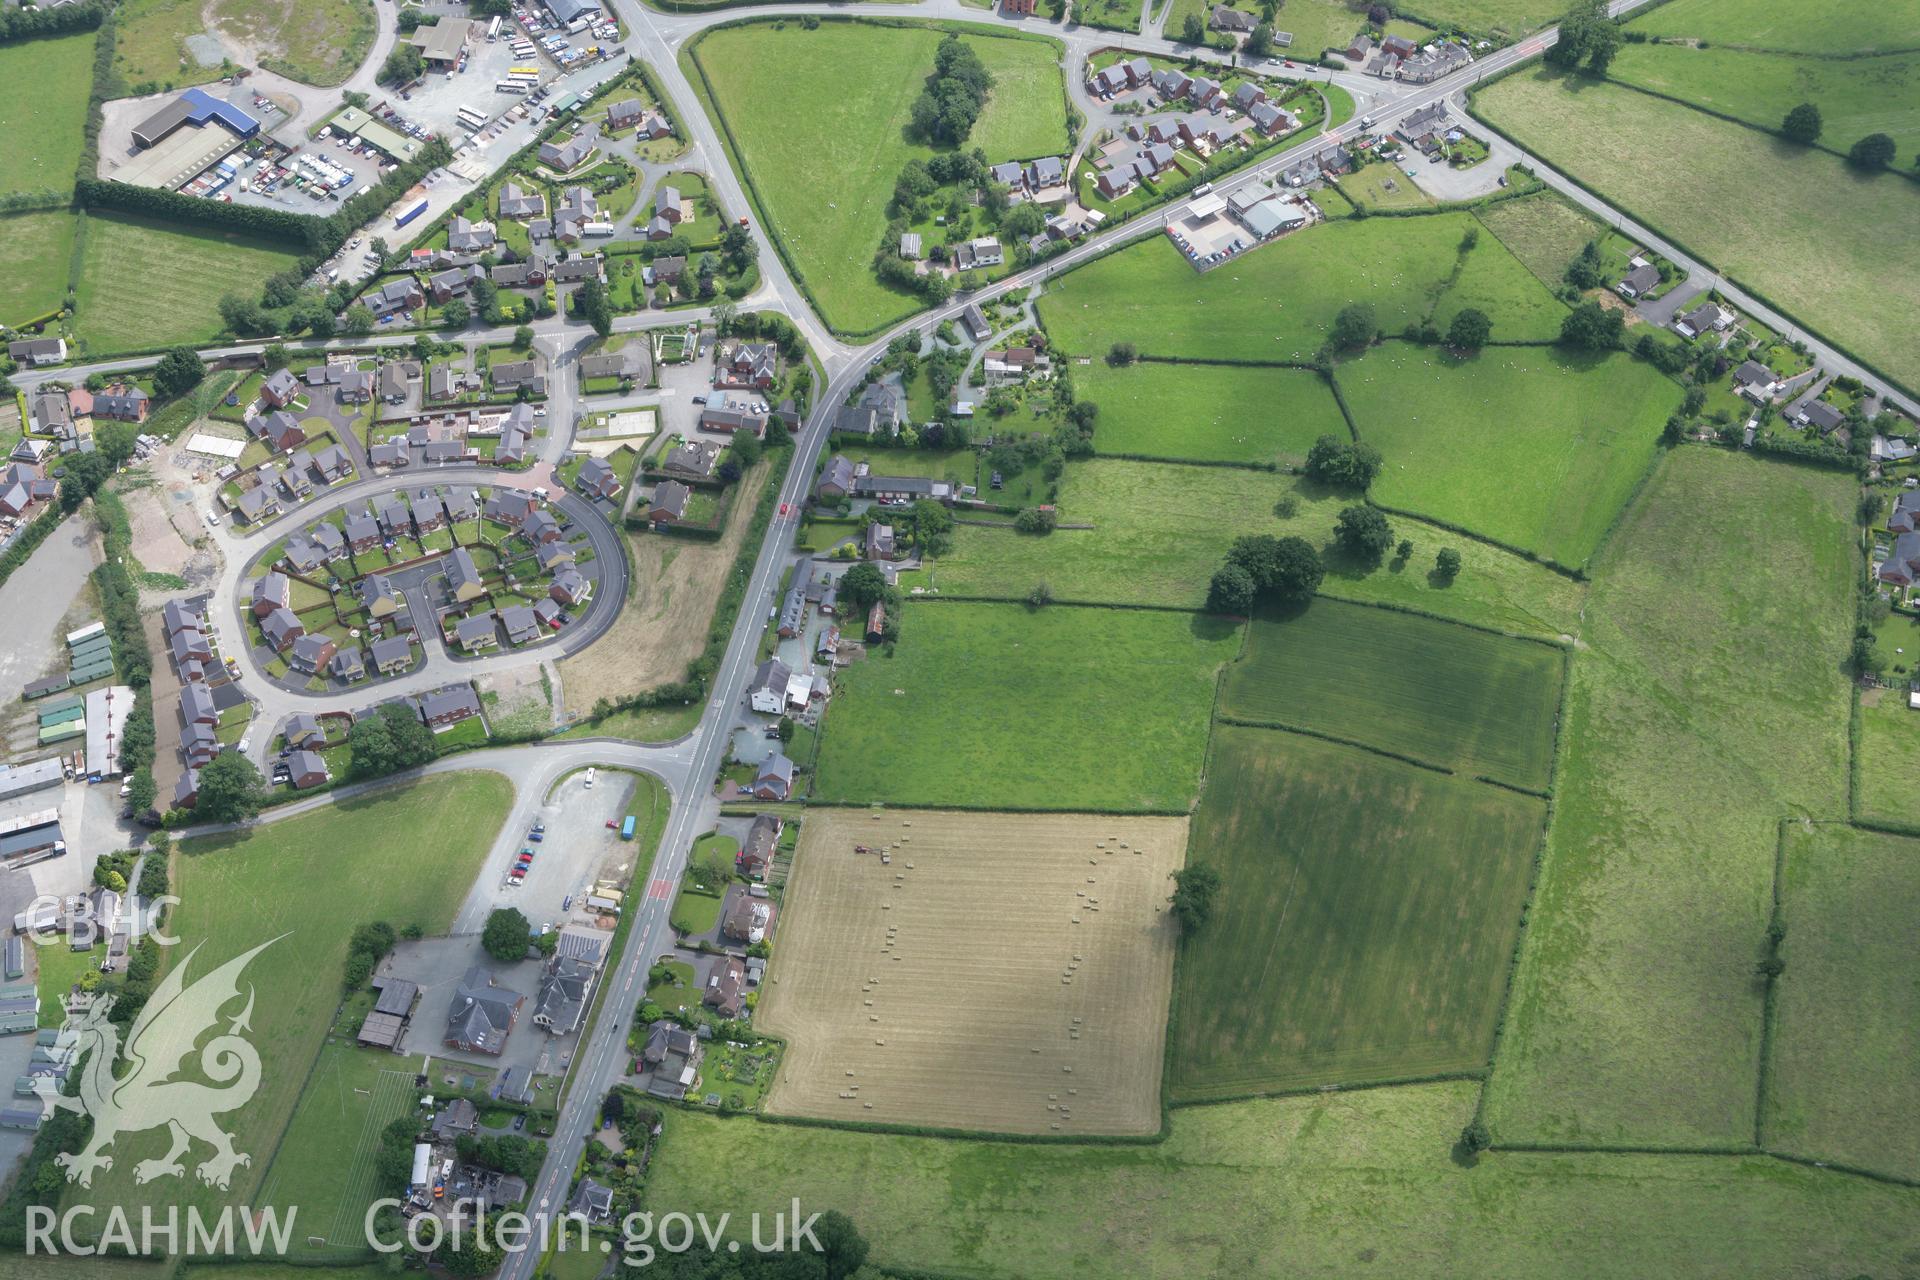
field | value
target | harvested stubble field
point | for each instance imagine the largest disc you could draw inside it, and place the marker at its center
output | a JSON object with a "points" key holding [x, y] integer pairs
{"points": [[900, 1008], [669, 608]]}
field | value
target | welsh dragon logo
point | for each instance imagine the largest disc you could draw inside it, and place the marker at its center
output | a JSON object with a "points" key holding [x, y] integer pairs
{"points": [[164, 1040]]}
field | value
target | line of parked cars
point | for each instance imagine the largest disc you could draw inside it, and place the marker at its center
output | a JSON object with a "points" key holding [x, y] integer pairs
{"points": [[523, 861]]}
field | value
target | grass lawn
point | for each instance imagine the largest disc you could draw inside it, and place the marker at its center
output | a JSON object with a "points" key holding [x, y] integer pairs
{"points": [[1208, 413], [1315, 24], [1382, 186], [1845, 1084], [1707, 703], [1811, 26], [43, 103], [35, 249], [1116, 700], [1468, 700], [1366, 923], [1511, 16], [1812, 237], [1278, 302], [325, 1166], [1536, 447], [1323, 1181], [60, 966], [1889, 746], [1545, 232], [146, 283], [1857, 95], [282, 879], [813, 119], [695, 911], [1160, 530]]}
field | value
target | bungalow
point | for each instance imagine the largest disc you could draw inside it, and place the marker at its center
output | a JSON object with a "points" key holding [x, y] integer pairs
{"points": [[693, 458], [476, 633], [393, 654], [463, 576], [446, 451], [520, 204], [597, 479], [520, 275], [1819, 415], [281, 628], [880, 543], [568, 156], [36, 352], [774, 779], [629, 363], [1708, 317], [312, 652], [758, 849], [395, 377], [280, 388], [271, 591], [902, 488], [570, 587], [669, 501], [836, 479], [1641, 280], [576, 269], [1231, 21], [1755, 380], [53, 413], [767, 692], [509, 376], [446, 707], [469, 237]]}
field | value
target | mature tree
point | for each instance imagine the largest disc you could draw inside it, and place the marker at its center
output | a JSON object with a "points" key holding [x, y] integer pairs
{"points": [[1285, 569], [1232, 591], [523, 338], [116, 441], [143, 790], [590, 303], [1354, 327], [505, 935], [403, 65], [955, 95], [1024, 221], [1593, 327], [863, 586], [1802, 124], [1588, 269], [358, 320], [1875, 151], [231, 789], [1363, 532], [1470, 330], [1447, 564], [1122, 353], [1194, 888], [456, 314], [1587, 36], [1193, 30], [842, 1248], [392, 739], [1259, 41], [1348, 464], [1036, 520], [178, 372]]}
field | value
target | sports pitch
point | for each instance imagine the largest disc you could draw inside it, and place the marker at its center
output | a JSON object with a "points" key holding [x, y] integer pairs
{"points": [[1004, 973]]}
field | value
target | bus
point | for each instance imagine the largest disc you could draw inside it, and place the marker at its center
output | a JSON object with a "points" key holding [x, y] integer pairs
{"points": [[493, 28], [523, 71], [472, 119], [507, 86]]}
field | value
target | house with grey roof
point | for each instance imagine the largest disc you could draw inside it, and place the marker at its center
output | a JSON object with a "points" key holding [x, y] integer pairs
{"points": [[565, 157], [597, 479], [463, 576], [281, 628], [836, 479], [520, 204], [392, 654], [482, 1014], [1641, 280], [669, 501], [35, 352], [570, 587]]}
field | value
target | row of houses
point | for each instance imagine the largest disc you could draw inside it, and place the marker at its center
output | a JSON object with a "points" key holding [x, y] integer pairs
{"points": [[447, 439], [1398, 58]]}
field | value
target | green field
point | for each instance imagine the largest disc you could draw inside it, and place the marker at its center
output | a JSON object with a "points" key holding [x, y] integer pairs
{"points": [[1811, 26], [1277, 303], [1368, 910], [146, 284], [43, 104], [285, 878], [1856, 95], [1707, 702], [1845, 1084], [1535, 447], [823, 148], [1345, 1184], [1889, 756], [325, 1164], [1510, 16], [1545, 232], [1468, 700], [35, 250], [1116, 702], [1160, 530], [1208, 413], [1812, 237]]}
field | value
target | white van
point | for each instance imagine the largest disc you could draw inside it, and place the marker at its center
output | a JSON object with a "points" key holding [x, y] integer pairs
{"points": [[589, 779]]}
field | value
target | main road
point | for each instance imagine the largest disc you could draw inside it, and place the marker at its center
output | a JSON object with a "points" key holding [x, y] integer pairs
{"points": [[689, 766]]}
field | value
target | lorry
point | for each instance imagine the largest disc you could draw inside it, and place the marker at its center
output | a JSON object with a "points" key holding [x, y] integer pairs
{"points": [[626, 828], [411, 210]]}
